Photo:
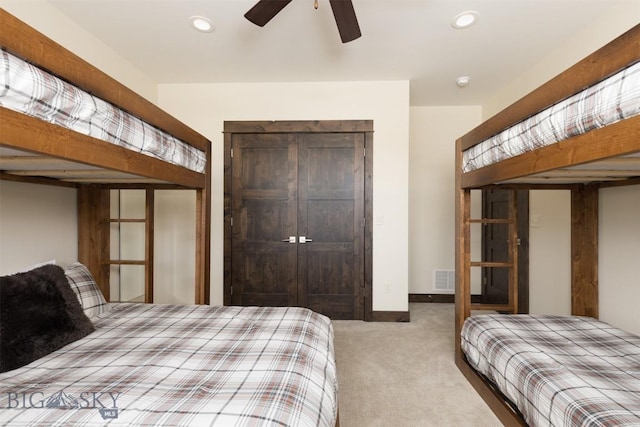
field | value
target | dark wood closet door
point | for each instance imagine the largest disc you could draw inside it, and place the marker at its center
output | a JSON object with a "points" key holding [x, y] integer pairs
{"points": [[307, 187], [495, 245], [495, 281], [264, 210], [331, 214]]}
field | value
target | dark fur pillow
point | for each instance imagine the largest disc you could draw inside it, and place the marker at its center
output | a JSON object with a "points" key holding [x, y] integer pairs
{"points": [[39, 313]]}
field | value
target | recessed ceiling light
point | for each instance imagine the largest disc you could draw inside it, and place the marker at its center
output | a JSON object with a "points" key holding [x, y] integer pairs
{"points": [[202, 24], [462, 81], [464, 19]]}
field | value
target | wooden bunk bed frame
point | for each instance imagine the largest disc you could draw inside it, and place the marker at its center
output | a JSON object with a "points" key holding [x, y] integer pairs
{"points": [[107, 166], [548, 168]]}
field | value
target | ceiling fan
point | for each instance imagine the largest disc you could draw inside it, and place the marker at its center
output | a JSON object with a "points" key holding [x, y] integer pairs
{"points": [[263, 11]]}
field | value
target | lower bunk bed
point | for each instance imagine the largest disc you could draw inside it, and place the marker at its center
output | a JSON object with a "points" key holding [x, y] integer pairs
{"points": [[558, 370], [69, 358]]}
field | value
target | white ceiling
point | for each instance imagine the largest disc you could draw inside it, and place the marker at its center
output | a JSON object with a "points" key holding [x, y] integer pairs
{"points": [[401, 40]]}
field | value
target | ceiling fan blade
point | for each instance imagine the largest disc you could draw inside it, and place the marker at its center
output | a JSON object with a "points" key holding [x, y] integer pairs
{"points": [[263, 11], [345, 19]]}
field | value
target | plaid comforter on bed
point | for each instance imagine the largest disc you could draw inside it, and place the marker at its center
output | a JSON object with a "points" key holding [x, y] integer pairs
{"points": [[613, 99], [34, 92], [152, 365], [559, 370]]}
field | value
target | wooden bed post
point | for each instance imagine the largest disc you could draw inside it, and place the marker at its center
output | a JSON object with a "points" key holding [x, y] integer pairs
{"points": [[462, 253], [463, 262], [149, 235], [584, 250], [203, 236], [203, 262], [93, 233], [513, 251]]}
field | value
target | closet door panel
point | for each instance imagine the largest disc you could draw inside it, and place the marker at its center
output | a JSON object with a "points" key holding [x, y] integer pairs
{"points": [[264, 211], [331, 213]]}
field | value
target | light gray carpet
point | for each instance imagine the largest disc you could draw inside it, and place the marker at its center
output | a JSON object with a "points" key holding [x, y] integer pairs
{"points": [[404, 374]]}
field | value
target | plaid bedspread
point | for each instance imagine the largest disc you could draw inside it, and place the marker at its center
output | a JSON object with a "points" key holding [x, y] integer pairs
{"points": [[32, 91], [613, 99], [168, 365], [559, 370]]}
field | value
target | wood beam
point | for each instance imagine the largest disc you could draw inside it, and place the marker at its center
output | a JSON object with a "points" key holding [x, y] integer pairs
{"points": [[584, 251], [93, 233], [149, 226], [36, 180], [34, 135]]}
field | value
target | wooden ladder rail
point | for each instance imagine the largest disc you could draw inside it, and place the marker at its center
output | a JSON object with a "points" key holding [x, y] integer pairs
{"points": [[512, 257], [147, 262]]}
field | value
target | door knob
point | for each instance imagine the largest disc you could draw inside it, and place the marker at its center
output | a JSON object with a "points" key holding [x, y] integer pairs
{"points": [[291, 239], [304, 239]]}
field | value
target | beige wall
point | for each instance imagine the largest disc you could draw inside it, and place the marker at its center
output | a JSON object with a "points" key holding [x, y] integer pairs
{"points": [[549, 252], [38, 223], [205, 107], [619, 261], [175, 247], [433, 131]]}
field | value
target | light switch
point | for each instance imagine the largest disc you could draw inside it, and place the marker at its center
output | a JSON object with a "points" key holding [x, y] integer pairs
{"points": [[535, 221]]}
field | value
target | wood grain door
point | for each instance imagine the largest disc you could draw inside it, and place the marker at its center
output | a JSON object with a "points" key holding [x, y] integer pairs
{"points": [[297, 205], [264, 206], [495, 246], [331, 214]]}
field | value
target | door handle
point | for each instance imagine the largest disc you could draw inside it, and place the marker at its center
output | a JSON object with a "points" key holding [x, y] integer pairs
{"points": [[291, 239], [304, 239]]}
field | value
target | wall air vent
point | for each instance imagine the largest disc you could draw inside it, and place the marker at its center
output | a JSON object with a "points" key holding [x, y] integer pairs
{"points": [[444, 281]]}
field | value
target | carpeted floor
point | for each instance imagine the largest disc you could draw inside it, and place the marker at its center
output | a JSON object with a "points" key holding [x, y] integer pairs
{"points": [[404, 374]]}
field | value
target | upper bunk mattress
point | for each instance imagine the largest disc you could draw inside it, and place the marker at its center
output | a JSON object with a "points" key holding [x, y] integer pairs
{"points": [[170, 365], [609, 101], [558, 370], [34, 92]]}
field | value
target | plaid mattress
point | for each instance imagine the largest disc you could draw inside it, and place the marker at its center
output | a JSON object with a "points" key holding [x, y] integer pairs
{"points": [[32, 91], [559, 370], [613, 99], [169, 365]]}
